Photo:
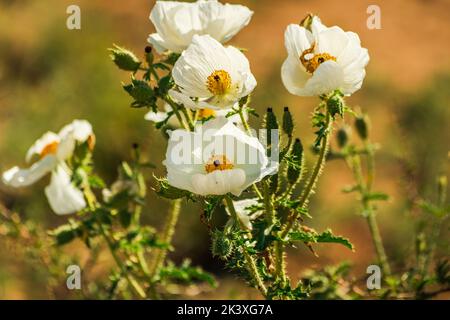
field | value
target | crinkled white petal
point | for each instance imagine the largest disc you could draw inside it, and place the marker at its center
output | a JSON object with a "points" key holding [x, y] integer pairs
{"points": [[17, 177], [63, 196], [297, 39], [332, 40], [177, 22], [294, 76], [46, 139], [243, 212], [219, 182], [328, 76]]}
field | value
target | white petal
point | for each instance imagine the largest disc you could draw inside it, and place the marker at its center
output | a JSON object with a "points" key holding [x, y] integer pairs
{"points": [[156, 116], [17, 177], [63, 196], [157, 42], [328, 76], [317, 26], [46, 139], [79, 129], [219, 182], [333, 41], [297, 39], [294, 76]]}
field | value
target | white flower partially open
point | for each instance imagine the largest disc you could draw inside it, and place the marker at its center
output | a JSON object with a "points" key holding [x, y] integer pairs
{"points": [[218, 158], [244, 213], [211, 76], [52, 151], [323, 59], [177, 22]]}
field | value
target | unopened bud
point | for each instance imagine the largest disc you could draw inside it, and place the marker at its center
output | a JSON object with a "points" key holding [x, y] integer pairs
{"points": [[343, 135], [288, 123], [221, 246], [362, 125], [295, 167], [124, 59], [306, 22], [335, 104]]}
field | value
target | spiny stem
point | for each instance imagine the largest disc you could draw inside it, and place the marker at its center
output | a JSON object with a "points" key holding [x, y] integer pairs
{"points": [[166, 237], [250, 262], [91, 200], [310, 186], [355, 164], [280, 262], [176, 111]]}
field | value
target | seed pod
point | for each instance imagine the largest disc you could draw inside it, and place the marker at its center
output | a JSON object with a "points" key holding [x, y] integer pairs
{"points": [[362, 125], [288, 123], [295, 167], [222, 246], [270, 123], [149, 55]]}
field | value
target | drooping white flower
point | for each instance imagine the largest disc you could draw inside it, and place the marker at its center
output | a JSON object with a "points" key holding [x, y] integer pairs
{"points": [[211, 76], [218, 158], [177, 22], [323, 59], [52, 151]]}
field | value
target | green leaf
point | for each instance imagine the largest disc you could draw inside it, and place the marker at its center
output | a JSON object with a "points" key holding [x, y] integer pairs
{"points": [[311, 236], [65, 234], [167, 191], [186, 274], [376, 196]]}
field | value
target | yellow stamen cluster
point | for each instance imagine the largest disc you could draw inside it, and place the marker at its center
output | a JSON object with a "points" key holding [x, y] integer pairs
{"points": [[219, 82], [218, 162], [311, 64], [205, 113], [50, 148]]}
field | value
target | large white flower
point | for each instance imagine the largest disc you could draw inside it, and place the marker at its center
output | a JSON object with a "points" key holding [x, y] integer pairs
{"points": [[322, 59], [211, 76], [52, 150], [218, 158], [177, 22]]}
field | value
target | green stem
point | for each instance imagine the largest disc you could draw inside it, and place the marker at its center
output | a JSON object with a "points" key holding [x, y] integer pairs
{"points": [[355, 163], [91, 200], [318, 168], [280, 261], [250, 262], [188, 116], [176, 111], [166, 237]]}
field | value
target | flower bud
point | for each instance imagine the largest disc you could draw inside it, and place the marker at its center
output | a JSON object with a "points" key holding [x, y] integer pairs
{"points": [[343, 135], [124, 59], [270, 123], [362, 125], [295, 168], [335, 103], [288, 124], [149, 55], [222, 246], [306, 22]]}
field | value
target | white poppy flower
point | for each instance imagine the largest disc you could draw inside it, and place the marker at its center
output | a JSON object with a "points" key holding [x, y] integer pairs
{"points": [[218, 158], [53, 150], [177, 22], [211, 76], [323, 59]]}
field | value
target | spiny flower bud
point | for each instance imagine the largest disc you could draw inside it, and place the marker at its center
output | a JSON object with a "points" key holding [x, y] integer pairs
{"points": [[362, 125], [288, 123], [270, 123], [222, 246], [335, 104], [124, 59], [343, 135], [295, 168]]}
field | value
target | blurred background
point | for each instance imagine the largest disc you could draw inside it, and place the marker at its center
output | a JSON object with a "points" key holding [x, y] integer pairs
{"points": [[50, 75]]}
